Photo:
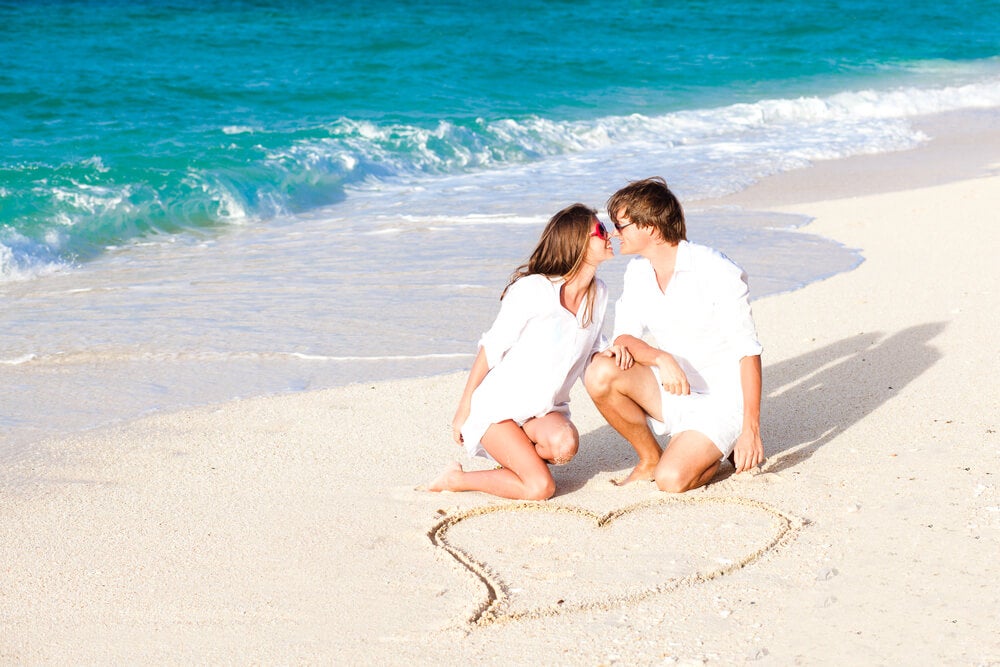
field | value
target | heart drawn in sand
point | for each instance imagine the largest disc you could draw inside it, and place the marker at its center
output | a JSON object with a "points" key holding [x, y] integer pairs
{"points": [[539, 558]]}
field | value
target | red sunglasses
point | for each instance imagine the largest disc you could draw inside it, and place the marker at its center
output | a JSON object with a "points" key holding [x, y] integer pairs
{"points": [[600, 231]]}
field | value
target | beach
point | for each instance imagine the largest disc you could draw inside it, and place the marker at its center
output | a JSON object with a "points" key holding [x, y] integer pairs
{"points": [[240, 237], [289, 529]]}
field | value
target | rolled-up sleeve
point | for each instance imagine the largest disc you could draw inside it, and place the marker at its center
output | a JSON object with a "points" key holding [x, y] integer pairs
{"points": [[732, 306], [519, 305]]}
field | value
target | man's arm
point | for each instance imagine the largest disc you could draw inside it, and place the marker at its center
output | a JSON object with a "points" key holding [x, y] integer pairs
{"points": [[749, 449], [672, 378]]}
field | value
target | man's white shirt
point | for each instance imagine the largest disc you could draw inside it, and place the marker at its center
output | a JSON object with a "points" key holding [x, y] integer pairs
{"points": [[703, 318]]}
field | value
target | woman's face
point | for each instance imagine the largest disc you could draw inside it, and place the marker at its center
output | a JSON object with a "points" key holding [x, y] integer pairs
{"points": [[599, 244]]}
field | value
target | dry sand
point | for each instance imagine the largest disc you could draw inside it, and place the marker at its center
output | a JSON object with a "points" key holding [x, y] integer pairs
{"points": [[287, 530]]}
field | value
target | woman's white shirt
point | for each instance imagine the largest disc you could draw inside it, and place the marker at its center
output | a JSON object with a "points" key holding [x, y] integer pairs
{"points": [[536, 350]]}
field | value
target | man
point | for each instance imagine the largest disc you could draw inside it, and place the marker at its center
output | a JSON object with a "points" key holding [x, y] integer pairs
{"points": [[701, 384]]}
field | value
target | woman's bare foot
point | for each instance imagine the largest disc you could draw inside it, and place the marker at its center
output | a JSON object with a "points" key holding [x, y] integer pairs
{"points": [[639, 473], [447, 480]]}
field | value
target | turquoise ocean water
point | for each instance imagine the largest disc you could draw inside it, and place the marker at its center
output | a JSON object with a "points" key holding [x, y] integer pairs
{"points": [[295, 197]]}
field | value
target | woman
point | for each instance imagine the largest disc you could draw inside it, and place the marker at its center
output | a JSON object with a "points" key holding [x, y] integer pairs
{"points": [[515, 407]]}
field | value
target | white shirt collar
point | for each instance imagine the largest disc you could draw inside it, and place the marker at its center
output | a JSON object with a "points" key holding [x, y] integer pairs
{"points": [[684, 260]]}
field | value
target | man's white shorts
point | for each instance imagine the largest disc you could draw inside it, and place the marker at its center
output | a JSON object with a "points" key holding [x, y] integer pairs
{"points": [[717, 416]]}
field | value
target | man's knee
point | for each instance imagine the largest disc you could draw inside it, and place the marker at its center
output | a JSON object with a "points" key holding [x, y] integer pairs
{"points": [[600, 375], [674, 480]]}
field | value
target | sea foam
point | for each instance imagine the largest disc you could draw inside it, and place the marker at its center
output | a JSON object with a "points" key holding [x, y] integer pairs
{"points": [[459, 170]]}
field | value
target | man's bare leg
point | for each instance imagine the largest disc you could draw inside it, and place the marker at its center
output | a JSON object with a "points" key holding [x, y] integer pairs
{"points": [[689, 461], [626, 398]]}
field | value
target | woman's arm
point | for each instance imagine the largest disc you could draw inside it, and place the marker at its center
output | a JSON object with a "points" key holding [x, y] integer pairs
{"points": [[519, 304], [479, 370]]}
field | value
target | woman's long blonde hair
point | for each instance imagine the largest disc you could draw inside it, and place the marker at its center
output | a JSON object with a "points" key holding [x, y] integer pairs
{"points": [[561, 250]]}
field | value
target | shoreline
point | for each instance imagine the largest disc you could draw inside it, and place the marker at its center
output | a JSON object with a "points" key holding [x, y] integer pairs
{"points": [[962, 145], [118, 378], [286, 528]]}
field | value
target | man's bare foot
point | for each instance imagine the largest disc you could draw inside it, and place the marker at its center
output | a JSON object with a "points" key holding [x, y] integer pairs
{"points": [[640, 473], [447, 480]]}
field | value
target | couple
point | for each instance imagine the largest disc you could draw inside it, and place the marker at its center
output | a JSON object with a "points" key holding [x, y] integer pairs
{"points": [[701, 384]]}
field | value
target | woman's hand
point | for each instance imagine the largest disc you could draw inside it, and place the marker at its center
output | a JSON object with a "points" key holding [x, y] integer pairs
{"points": [[672, 378], [459, 421]]}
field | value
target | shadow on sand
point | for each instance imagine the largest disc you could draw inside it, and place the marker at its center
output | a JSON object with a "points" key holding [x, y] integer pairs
{"points": [[808, 401], [811, 399]]}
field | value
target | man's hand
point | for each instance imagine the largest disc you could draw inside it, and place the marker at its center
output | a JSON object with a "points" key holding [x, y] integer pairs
{"points": [[623, 358], [749, 450], [672, 378]]}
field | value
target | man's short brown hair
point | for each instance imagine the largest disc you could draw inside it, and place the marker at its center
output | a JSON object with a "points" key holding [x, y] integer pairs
{"points": [[650, 203]]}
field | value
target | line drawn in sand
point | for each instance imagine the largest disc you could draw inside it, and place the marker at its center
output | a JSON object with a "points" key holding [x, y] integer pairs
{"points": [[778, 528]]}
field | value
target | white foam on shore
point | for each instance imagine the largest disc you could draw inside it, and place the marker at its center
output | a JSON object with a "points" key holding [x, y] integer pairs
{"points": [[505, 171], [17, 361]]}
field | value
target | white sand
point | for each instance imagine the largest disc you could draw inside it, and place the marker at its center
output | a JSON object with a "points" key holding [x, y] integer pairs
{"points": [[286, 530]]}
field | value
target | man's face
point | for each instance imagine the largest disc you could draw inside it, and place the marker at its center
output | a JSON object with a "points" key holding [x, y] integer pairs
{"points": [[629, 234]]}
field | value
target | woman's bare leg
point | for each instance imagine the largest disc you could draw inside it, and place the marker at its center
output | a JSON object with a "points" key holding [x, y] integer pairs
{"points": [[524, 475]]}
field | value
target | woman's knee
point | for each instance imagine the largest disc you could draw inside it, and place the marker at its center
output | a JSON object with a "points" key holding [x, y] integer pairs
{"points": [[564, 444], [539, 488]]}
